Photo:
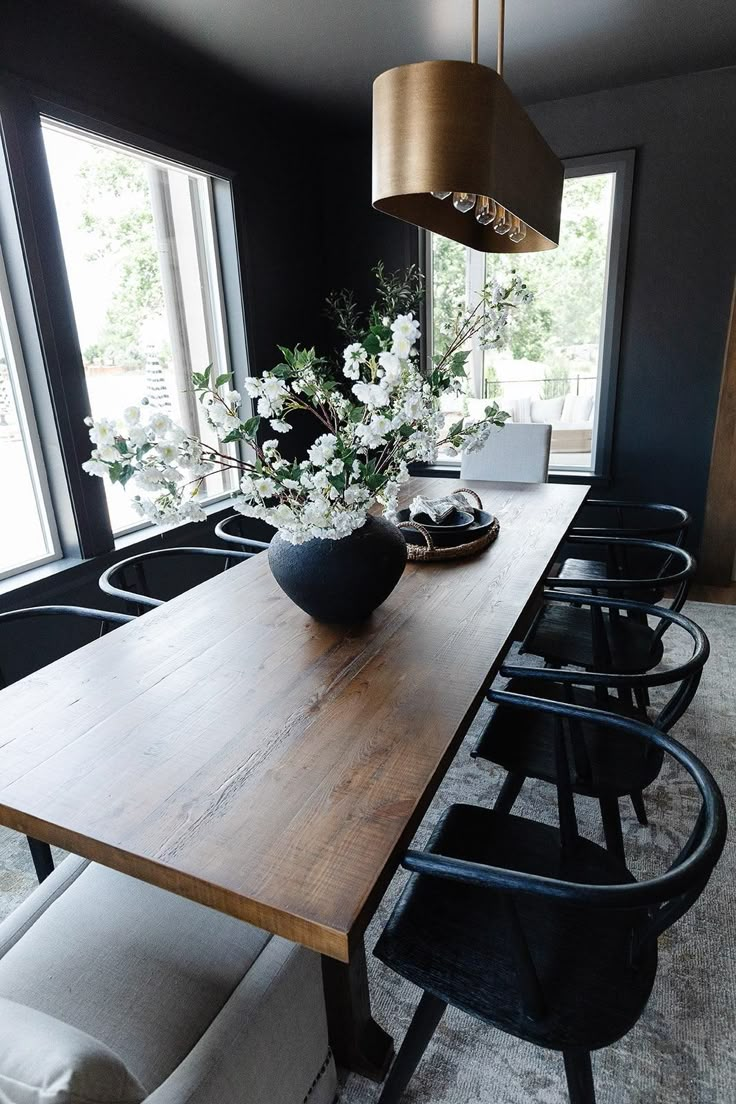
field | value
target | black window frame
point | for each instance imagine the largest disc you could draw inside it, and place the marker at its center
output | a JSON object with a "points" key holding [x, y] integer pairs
{"points": [[44, 313], [621, 162]]}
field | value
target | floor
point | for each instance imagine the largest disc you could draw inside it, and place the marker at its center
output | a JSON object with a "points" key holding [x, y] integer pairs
{"points": [[683, 1051]]}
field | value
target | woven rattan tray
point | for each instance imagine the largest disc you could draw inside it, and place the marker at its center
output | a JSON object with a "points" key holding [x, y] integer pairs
{"points": [[430, 554]]}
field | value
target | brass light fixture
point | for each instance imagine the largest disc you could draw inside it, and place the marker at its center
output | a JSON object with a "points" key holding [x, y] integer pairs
{"points": [[455, 153]]}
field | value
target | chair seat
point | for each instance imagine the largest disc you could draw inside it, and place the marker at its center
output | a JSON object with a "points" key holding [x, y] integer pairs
{"points": [[602, 762], [573, 568], [563, 635], [453, 940]]}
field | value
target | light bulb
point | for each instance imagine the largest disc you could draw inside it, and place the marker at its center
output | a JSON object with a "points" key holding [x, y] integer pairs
{"points": [[485, 210], [440, 195], [463, 201], [518, 230], [502, 221]]}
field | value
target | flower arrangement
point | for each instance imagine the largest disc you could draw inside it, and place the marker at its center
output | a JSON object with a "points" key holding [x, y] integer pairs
{"points": [[378, 408]]}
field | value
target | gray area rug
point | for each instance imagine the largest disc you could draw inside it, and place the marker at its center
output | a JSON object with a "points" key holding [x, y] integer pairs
{"points": [[683, 1050]]}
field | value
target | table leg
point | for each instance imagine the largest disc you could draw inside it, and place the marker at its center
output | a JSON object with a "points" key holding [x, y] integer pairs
{"points": [[358, 1042]]}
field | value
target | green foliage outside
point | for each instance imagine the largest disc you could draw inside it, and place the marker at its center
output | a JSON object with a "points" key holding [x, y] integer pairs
{"points": [[128, 236]]}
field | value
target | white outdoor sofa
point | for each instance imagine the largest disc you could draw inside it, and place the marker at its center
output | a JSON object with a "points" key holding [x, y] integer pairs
{"points": [[116, 992], [571, 418]]}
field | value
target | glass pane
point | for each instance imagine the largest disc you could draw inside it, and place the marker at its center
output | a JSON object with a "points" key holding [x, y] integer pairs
{"points": [[25, 538], [140, 254], [550, 369]]}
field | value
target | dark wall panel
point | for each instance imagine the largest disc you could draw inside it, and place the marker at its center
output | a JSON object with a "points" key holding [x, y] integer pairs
{"points": [[680, 269]]}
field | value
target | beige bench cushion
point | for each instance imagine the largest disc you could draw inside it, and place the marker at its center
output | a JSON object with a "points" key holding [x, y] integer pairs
{"points": [[45, 1061], [139, 969]]}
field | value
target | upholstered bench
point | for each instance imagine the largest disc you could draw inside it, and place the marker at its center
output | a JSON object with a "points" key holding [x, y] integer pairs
{"points": [[115, 992]]}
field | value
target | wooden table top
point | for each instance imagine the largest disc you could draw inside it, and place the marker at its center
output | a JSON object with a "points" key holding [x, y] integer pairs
{"points": [[227, 747]]}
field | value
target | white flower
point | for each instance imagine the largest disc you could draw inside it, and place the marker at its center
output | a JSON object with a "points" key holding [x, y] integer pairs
{"points": [[372, 394], [352, 371], [167, 452], [355, 354], [232, 398], [160, 423], [391, 369], [108, 453], [279, 426], [337, 466], [132, 415], [246, 485], [264, 486], [253, 387], [291, 484], [323, 449], [413, 408], [94, 467], [102, 432], [270, 447], [407, 327], [401, 348]]}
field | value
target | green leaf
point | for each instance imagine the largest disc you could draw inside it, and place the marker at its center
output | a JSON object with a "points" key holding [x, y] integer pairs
{"points": [[372, 345], [223, 379], [250, 428], [356, 414], [455, 429]]}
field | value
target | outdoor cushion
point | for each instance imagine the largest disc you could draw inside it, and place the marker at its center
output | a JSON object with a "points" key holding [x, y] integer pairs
{"points": [[45, 1061], [141, 970], [546, 410]]}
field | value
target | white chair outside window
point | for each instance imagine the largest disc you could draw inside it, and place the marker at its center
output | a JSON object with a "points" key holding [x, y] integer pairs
{"points": [[514, 453]]}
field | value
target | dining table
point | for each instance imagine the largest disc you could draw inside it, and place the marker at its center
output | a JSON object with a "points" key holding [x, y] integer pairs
{"points": [[229, 748]]}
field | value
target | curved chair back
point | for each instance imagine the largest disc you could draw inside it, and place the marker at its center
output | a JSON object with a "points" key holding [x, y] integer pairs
{"points": [[227, 530], [664, 521], [127, 579], [675, 570], [104, 618], [656, 903], [684, 676], [515, 453]]}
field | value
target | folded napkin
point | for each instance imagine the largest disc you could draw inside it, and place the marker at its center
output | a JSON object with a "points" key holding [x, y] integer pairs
{"points": [[438, 509]]}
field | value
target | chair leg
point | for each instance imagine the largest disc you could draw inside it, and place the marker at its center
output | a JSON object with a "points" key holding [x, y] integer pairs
{"points": [[612, 826], [579, 1075], [42, 858], [509, 792], [641, 694], [637, 800], [421, 1029]]}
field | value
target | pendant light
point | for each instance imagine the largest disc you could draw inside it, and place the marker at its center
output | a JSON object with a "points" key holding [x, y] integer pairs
{"points": [[455, 153]]}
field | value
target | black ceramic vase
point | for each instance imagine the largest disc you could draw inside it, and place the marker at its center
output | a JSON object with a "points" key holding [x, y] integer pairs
{"points": [[341, 580]]}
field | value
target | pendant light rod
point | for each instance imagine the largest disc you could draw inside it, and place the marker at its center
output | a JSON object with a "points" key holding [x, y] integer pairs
{"points": [[474, 35], [501, 21]]}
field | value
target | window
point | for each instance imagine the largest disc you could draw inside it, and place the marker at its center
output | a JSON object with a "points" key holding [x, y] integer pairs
{"points": [[559, 364], [27, 537], [139, 244]]}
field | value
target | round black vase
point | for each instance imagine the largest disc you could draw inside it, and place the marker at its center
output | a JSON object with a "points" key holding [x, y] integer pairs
{"points": [[341, 580]]}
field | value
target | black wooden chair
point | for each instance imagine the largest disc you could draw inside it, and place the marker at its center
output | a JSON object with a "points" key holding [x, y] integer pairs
{"points": [[600, 640], [41, 852], [602, 768], [536, 930], [127, 580], [230, 529], [614, 518]]}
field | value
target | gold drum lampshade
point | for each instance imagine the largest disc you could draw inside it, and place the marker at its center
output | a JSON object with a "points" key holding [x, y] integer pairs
{"points": [[453, 126]]}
